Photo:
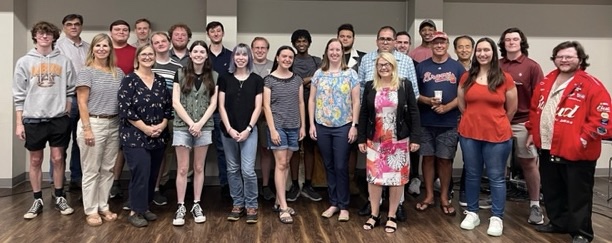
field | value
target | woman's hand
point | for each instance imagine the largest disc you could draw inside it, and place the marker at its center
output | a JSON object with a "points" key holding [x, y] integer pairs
{"points": [[313, 133], [90, 140], [275, 137], [302, 133], [352, 134], [242, 136], [414, 147], [362, 147], [196, 129]]}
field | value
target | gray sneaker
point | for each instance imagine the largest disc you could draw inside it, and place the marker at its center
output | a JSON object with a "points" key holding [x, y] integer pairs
{"points": [[415, 186], [36, 209], [138, 220], [62, 205], [116, 192], [535, 215], [309, 192], [485, 203]]}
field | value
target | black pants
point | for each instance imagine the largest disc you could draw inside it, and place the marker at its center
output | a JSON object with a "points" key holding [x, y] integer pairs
{"points": [[568, 193], [144, 165]]}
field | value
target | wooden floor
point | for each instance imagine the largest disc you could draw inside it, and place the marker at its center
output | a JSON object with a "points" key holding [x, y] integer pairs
{"points": [[309, 226]]}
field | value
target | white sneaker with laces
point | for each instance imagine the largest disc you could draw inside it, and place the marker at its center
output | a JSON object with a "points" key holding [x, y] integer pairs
{"points": [[198, 214], [470, 221], [496, 226], [36, 209], [179, 216]]}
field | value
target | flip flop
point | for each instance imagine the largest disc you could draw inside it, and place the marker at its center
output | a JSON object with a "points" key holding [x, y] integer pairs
{"points": [[448, 210], [423, 206]]}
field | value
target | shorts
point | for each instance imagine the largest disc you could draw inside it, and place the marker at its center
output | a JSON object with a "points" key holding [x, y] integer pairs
{"points": [[439, 141], [520, 150], [185, 139], [289, 139], [38, 132]]}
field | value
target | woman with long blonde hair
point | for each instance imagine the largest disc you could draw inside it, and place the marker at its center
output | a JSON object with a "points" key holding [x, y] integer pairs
{"points": [[389, 128], [98, 128]]}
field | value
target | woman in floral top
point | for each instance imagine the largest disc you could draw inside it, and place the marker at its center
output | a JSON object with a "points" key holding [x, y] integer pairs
{"points": [[389, 130], [145, 106], [334, 110]]}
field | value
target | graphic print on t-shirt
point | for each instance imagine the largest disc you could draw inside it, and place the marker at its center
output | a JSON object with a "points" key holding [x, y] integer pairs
{"points": [[45, 73]]}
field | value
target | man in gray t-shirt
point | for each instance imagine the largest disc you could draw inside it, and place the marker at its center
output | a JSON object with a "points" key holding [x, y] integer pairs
{"points": [[262, 66], [304, 65]]}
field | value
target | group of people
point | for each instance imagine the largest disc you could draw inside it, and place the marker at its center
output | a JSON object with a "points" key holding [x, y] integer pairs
{"points": [[138, 103]]}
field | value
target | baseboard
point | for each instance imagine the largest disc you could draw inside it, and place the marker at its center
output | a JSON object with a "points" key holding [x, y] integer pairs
{"points": [[599, 172], [13, 182]]}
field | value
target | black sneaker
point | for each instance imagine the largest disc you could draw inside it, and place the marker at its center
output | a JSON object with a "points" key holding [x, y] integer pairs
{"points": [[267, 193], [159, 199], [138, 220], [198, 214], [116, 192], [61, 204], [126, 205], [235, 214], [179, 216], [309, 192], [74, 186], [149, 216], [293, 193], [365, 210], [251, 216], [400, 214], [36, 209]]}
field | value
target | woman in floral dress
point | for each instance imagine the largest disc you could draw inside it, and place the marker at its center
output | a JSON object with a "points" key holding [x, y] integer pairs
{"points": [[388, 131]]}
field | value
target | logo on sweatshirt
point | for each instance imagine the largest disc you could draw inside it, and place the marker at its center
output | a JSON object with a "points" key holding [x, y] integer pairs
{"points": [[45, 73], [567, 112]]}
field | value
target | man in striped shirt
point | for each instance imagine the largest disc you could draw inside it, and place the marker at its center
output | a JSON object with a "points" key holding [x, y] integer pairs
{"points": [[167, 68]]}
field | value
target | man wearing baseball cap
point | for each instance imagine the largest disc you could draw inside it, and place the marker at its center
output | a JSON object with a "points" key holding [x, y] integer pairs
{"points": [[437, 78], [426, 30]]}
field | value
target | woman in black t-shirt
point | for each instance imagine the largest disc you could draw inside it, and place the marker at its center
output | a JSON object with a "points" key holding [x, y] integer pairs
{"points": [[240, 97]]}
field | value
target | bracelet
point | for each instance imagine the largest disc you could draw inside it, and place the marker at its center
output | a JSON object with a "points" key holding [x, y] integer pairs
{"points": [[249, 128], [85, 125]]}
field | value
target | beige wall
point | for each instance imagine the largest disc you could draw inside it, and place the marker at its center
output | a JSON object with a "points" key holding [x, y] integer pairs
{"points": [[546, 23]]}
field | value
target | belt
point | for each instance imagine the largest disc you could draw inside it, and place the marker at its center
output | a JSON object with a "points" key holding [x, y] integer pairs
{"points": [[102, 116]]}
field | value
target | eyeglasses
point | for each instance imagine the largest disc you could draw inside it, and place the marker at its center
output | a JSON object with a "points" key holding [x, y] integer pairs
{"points": [[146, 55], [383, 65], [387, 39], [565, 57]]}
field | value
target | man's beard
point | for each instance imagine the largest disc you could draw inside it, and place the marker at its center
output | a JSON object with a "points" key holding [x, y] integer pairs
{"points": [[348, 48]]}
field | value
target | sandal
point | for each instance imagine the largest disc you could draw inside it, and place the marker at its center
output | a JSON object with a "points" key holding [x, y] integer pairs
{"points": [[330, 212], [372, 222], [277, 209], [391, 225], [285, 216], [93, 220], [448, 210], [423, 206], [108, 215]]}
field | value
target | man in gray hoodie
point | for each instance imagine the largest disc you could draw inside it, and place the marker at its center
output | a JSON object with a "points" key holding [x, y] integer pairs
{"points": [[43, 89]]}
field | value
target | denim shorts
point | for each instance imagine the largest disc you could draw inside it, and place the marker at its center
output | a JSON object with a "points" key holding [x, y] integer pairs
{"points": [[289, 139], [185, 139], [439, 141]]}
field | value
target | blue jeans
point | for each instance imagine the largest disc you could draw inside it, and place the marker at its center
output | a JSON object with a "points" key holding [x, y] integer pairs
{"points": [[75, 154], [241, 169], [493, 157], [334, 147], [216, 136]]}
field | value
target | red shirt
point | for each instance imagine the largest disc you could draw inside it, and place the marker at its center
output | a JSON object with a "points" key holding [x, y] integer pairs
{"points": [[484, 117], [526, 74], [125, 58]]}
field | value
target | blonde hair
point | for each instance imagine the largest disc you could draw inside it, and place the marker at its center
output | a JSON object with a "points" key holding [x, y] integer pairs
{"points": [[111, 63], [394, 76]]}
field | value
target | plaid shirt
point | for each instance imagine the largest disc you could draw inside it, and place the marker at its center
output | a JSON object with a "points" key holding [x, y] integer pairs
{"points": [[405, 69]]}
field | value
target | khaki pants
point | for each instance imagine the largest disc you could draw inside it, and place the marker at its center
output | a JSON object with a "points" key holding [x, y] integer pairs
{"points": [[97, 162]]}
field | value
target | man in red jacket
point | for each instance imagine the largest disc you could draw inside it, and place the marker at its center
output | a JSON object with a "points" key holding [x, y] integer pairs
{"points": [[568, 118]]}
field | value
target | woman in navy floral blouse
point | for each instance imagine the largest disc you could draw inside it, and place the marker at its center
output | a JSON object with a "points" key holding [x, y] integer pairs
{"points": [[145, 106]]}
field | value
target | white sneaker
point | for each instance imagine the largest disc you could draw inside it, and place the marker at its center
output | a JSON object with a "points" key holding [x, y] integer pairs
{"points": [[436, 185], [179, 216], [470, 221], [415, 186], [496, 226]]}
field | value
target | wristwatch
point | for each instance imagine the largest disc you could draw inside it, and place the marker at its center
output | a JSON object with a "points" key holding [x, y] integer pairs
{"points": [[355, 125]]}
